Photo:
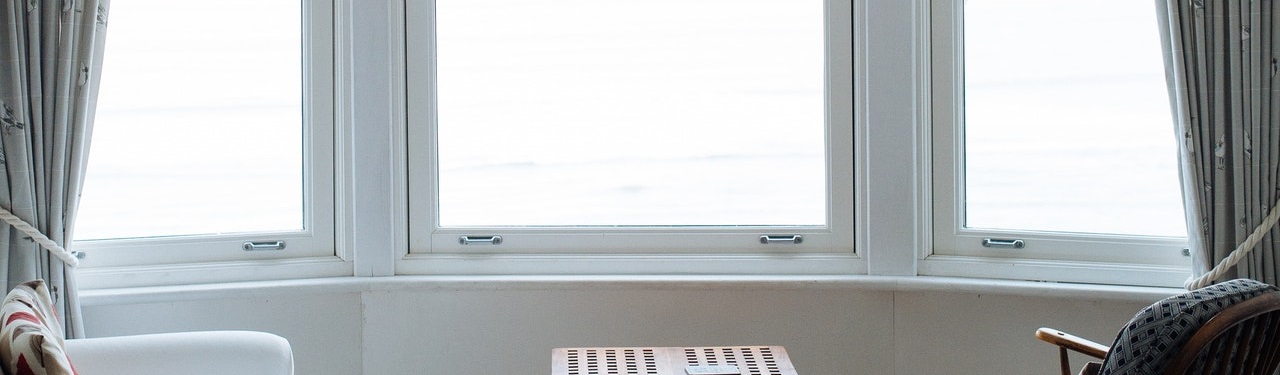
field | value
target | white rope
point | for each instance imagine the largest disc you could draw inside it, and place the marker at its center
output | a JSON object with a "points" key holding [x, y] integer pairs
{"points": [[44, 241], [1237, 254]]}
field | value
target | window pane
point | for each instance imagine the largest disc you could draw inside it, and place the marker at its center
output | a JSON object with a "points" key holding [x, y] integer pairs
{"points": [[581, 112], [199, 122], [1067, 119]]}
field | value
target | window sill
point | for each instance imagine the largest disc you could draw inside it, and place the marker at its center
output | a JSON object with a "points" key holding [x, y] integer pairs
{"points": [[1100, 273], [191, 275], [744, 264], [339, 285]]}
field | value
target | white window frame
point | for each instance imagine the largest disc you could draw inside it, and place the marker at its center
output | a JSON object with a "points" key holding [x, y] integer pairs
{"points": [[1049, 256], [642, 250], [310, 252]]}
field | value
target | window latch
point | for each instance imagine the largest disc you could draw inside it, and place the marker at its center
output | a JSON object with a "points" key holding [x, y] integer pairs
{"points": [[794, 239], [1003, 243], [480, 240], [263, 245]]}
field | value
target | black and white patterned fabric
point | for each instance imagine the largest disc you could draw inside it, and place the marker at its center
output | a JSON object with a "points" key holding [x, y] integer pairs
{"points": [[1151, 339]]}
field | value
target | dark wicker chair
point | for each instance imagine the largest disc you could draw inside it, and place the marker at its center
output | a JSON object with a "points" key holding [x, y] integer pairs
{"points": [[1227, 328]]}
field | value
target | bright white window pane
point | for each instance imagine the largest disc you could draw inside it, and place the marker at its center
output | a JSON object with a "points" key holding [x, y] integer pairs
{"points": [[1067, 119], [199, 122], [584, 112]]}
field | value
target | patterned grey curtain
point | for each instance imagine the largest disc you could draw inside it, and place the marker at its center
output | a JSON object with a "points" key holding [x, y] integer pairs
{"points": [[49, 63], [1221, 56]]}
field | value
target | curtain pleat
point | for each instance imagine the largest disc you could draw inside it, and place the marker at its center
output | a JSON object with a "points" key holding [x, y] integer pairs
{"points": [[1223, 70], [51, 56]]}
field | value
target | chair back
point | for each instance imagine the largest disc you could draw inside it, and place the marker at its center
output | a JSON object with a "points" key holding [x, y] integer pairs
{"points": [[1241, 339], [1148, 343]]}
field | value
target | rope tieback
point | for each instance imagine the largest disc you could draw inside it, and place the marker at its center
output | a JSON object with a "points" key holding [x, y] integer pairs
{"points": [[39, 238], [1240, 251]]}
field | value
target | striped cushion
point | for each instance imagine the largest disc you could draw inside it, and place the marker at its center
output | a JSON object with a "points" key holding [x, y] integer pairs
{"points": [[1149, 341], [31, 339]]}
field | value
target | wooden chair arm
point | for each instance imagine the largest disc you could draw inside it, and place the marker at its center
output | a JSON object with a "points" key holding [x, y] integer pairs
{"points": [[1069, 341]]}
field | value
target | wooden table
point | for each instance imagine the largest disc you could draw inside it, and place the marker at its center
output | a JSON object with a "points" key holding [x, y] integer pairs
{"points": [[718, 360]]}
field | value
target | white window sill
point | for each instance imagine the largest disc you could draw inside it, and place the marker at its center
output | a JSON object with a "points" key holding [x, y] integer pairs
{"points": [[337, 285]]}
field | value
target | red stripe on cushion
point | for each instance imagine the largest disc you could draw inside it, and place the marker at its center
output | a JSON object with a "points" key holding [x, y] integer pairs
{"points": [[23, 367], [23, 315]]}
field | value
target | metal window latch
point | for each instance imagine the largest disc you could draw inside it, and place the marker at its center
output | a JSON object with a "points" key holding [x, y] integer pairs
{"points": [[793, 239], [263, 245], [480, 240], [1003, 243]]}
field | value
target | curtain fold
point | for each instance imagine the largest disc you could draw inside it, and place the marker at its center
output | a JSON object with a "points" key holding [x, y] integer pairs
{"points": [[1221, 57], [50, 54]]}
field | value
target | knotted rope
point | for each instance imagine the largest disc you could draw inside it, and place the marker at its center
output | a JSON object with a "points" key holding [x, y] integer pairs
{"points": [[1237, 254], [44, 241]]}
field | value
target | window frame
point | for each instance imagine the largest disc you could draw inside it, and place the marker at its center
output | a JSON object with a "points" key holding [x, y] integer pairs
{"points": [[310, 252], [1048, 256], [612, 250]]}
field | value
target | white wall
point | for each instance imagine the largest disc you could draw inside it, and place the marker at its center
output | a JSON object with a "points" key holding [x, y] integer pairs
{"points": [[324, 328], [408, 325], [504, 330]]}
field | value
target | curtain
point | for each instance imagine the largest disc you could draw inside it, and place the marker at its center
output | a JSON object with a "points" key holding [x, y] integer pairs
{"points": [[1221, 58], [50, 53]]}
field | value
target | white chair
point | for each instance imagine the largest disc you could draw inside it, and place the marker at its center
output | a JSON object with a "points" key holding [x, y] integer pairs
{"points": [[188, 353]]}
